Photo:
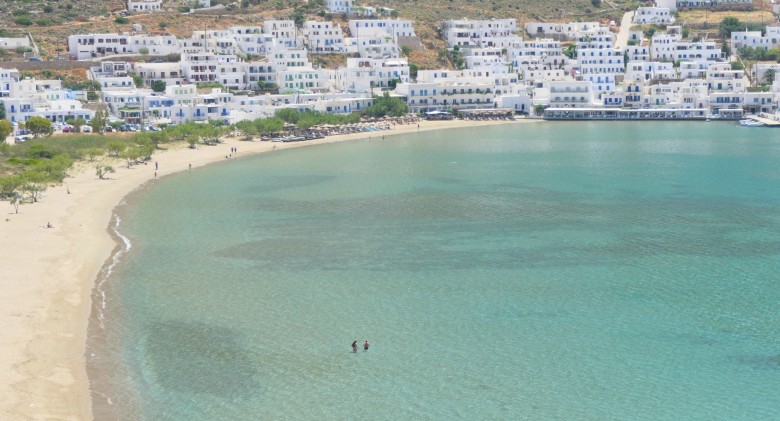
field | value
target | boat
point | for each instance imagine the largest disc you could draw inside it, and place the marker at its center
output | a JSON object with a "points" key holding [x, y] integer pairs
{"points": [[746, 122]]}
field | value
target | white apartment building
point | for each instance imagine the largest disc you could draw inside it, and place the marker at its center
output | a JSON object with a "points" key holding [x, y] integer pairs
{"points": [[87, 46], [373, 43], [483, 57], [259, 71], [544, 51], [7, 77], [170, 73], [81, 47], [363, 75], [644, 71], [570, 94], [638, 52], [158, 45], [754, 39], [252, 40], [432, 96], [696, 69], [653, 15], [29, 97], [323, 37], [473, 33], [597, 61], [115, 82], [721, 78], [284, 31], [339, 6], [559, 31], [144, 5], [670, 47], [395, 27]]}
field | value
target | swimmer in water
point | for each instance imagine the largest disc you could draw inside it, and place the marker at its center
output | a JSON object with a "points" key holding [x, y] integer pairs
{"points": [[354, 346], [366, 345]]}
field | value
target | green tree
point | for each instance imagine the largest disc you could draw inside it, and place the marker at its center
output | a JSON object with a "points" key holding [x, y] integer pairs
{"points": [[2, 110], [386, 105], [769, 75], [5, 129], [138, 80], [98, 122], [116, 147], [102, 170], [143, 50], [248, 129], [39, 126], [76, 123], [158, 86], [122, 20]]}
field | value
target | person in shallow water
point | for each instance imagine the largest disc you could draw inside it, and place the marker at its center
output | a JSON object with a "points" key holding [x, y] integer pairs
{"points": [[366, 345], [354, 346]]}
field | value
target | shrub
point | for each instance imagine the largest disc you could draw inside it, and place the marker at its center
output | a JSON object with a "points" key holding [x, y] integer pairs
{"points": [[121, 20], [24, 21]]}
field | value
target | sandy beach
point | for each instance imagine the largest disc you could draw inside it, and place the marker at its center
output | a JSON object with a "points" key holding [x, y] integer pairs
{"points": [[48, 273]]}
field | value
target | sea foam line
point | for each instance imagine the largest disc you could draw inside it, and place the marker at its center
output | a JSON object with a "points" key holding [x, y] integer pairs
{"points": [[125, 246]]}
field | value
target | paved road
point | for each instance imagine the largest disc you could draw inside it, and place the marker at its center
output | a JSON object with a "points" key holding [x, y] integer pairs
{"points": [[621, 41]]}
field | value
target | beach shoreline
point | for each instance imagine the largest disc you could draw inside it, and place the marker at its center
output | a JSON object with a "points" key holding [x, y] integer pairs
{"points": [[50, 272]]}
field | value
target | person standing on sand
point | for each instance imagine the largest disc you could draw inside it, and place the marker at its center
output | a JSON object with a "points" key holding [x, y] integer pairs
{"points": [[155, 165], [354, 346], [366, 345], [190, 167]]}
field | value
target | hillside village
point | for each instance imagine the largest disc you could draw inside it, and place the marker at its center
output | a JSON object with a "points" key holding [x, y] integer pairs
{"points": [[648, 66]]}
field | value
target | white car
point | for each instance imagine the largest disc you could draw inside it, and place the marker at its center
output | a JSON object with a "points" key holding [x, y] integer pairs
{"points": [[86, 129]]}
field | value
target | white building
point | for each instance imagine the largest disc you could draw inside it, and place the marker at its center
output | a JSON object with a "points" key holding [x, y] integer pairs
{"points": [[339, 6], [395, 27], [284, 31], [373, 43], [144, 5], [14, 43], [571, 94], [559, 31], [754, 39], [323, 37], [432, 96], [650, 15], [363, 75], [29, 97], [473, 33]]}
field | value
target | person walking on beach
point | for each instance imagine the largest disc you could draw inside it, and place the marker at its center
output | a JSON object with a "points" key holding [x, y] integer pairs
{"points": [[155, 165], [155, 175], [190, 167], [366, 345], [354, 346]]}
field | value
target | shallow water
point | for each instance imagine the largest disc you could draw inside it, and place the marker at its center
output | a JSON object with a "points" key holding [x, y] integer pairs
{"points": [[540, 271]]}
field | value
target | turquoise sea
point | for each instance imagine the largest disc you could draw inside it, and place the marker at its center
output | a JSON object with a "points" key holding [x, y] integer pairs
{"points": [[588, 271]]}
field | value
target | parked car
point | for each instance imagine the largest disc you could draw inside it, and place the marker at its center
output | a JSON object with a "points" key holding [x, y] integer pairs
{"points": [[108, 129], [86, 129], [67, 129], [20, 139], [22, 132], [34, 59]]}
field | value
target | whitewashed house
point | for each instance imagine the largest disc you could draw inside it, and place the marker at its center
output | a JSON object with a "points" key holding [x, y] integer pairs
{"points": [[653, 15], [323, 37], [474, 33], [14, 43], [363, 75], [339, 6], [395, 27], [137, 6]]}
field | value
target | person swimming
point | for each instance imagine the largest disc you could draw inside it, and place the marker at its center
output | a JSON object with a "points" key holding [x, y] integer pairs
{"points": [[354, 346], [366, 345]]}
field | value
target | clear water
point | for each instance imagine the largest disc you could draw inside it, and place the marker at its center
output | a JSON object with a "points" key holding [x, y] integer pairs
{"points": [[541, 271]]}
